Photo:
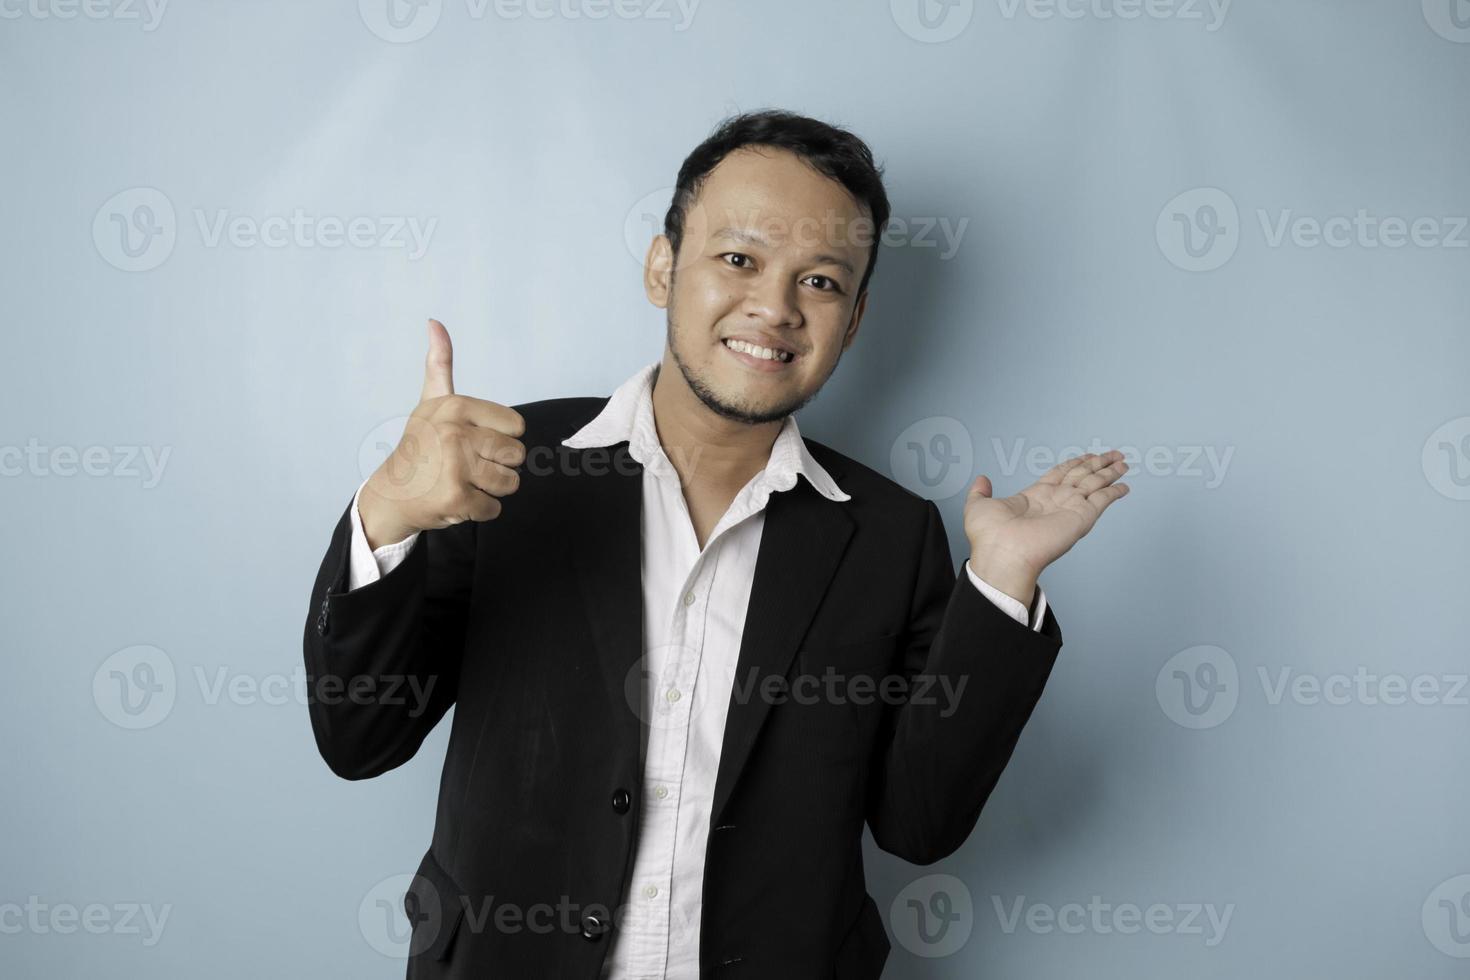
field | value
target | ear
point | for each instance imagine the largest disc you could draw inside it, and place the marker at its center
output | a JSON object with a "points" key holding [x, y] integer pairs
{"points": [[658, 271], [857, 318]]}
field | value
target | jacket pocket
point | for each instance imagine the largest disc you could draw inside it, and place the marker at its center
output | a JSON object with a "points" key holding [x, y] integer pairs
{"points": [[864, 949], [434, 904]]}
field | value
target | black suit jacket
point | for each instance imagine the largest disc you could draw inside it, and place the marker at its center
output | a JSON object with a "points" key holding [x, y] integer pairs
{"points": [[532, 626]]}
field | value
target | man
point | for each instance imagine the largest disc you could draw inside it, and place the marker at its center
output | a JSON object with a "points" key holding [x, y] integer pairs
{"points": [[692, 652]]}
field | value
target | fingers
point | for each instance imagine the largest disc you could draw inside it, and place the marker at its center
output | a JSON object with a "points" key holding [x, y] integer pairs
{"points": [[494, 479], [1102, 498], [1066, 467], [477, 497], [485, 414], [439, 388], [439, 364], [476, 505], [484, 459], [1102, 477], [1072, 469], [496, 446], [1089, 464], [460, 454]]}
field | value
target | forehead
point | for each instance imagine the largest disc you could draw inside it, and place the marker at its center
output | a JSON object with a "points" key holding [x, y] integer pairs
{"points": [[781, 197]]}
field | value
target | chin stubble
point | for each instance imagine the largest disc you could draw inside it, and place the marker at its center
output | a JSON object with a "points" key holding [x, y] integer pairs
{"points": [[724, 409]]}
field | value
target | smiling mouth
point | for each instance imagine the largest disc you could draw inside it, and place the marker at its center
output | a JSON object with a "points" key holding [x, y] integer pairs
{"points": [[756, 351]]}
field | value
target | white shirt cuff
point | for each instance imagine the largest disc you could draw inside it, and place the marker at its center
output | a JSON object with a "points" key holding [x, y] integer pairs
{"points": [[364, 565], [1010, 606]]}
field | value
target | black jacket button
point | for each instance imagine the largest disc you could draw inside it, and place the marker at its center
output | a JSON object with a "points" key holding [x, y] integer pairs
{"points": [[621, 801], [593, 927]]}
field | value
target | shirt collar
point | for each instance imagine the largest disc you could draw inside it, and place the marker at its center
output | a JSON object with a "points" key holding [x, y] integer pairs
{"points": [[628, 417]]}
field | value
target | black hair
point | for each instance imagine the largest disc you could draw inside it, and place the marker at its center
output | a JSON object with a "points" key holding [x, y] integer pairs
{"points": [[832, 151]]}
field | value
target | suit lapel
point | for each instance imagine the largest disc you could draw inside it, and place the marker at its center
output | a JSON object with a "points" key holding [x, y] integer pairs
{"points": [[804, 538], [609, 560]]}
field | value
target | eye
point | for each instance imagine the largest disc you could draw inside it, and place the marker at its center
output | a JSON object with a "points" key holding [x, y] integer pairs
{"points": [[732, 257], [825, 284]]}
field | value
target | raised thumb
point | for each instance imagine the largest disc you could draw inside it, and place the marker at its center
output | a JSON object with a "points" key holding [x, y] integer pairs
{"points": [[439, 365]]}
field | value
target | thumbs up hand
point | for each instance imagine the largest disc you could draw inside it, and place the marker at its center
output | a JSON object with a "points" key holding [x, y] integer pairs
{"points": [[453, 464]]}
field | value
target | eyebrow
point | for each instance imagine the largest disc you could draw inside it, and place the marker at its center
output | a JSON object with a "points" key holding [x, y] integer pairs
{"points": [[747, 236]]}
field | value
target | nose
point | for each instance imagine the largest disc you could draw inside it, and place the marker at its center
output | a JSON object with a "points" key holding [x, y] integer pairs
{"points": [[771, 301]]}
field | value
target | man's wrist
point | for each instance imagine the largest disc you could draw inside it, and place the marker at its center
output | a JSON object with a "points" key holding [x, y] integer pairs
{"points": [[379, 525], [1014, 579]]}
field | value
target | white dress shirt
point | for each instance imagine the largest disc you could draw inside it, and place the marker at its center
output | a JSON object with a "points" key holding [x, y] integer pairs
{"points": [[694, 605]]}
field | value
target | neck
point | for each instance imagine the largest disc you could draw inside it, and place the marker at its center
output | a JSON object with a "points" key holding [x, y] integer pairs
{"points": [[705, 447]]}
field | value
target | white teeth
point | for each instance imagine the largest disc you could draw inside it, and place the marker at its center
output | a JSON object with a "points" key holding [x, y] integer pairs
{"points": [[765, 353]]}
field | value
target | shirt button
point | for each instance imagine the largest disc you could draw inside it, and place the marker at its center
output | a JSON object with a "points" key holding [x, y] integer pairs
{"points": [[673, 694], [651, 891], [689, 598], [661, 791]]}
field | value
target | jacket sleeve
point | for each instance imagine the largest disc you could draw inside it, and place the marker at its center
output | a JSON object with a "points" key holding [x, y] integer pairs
{"points": [[382, 661], [945, 751]]}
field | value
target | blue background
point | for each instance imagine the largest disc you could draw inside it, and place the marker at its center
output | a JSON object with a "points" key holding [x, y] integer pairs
{"points": [[1074, 151]]}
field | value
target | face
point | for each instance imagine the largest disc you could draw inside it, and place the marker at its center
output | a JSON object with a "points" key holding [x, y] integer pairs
{"points": [[762, 297]]}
